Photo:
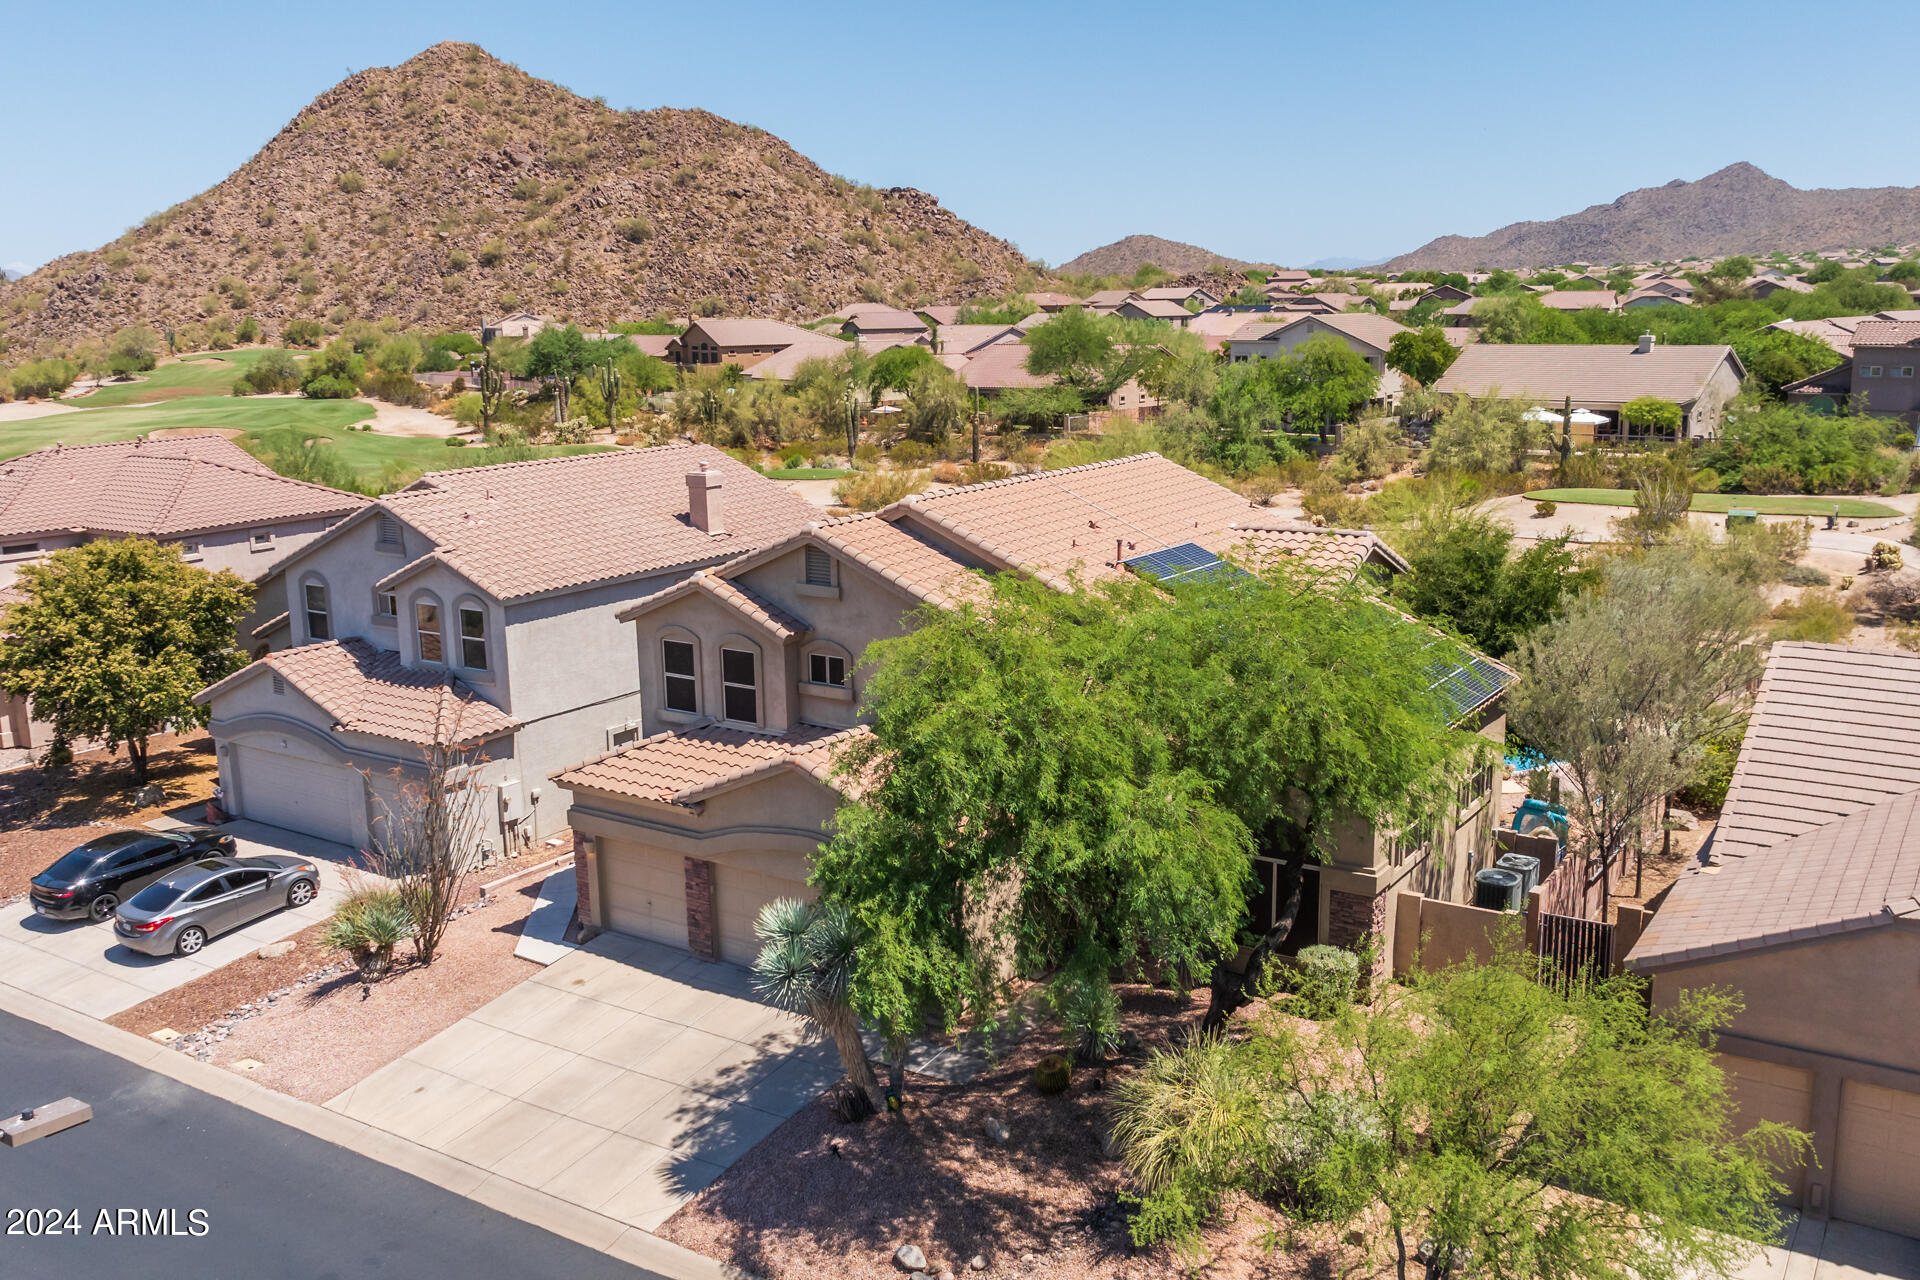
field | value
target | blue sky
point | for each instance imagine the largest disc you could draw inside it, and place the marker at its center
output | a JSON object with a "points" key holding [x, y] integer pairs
{"points": [[1279, 131]]}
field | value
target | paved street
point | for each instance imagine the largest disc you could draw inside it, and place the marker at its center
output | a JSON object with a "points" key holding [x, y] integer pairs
{"points": [[278, 1202], [83, 967]]}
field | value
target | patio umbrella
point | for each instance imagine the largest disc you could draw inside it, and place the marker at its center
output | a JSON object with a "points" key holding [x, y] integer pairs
{"points": [[1537, 414], [1588, 418]]}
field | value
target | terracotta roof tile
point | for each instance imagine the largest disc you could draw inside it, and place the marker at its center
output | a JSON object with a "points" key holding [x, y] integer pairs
{"points": [[764, 613], [683, 766], [1001, 366], [369, 690], [522, 528], [1340, 551], [1887, 333], [160, 488], [1593, 373]]}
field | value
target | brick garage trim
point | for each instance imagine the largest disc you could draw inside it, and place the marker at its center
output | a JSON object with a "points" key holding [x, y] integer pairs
{"points": [[700, 932], [582, 881], [1354, 920]]}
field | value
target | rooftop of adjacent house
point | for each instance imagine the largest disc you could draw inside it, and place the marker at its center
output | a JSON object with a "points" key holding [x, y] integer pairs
{"points": [[526, 528], [1343, 551], [1171, 293], [784, 363], [748, 331], [652, 344], [1046, 298], [1857, 872], [941, 315], [160, 488], [1834, 730], [369, 690], [964, 339], [1158, 308], [685, 766], [1579, 299], [1109, 297], [1375, 330], [1001, 366], [885, 320], [1887, 333], [1590, 372]]}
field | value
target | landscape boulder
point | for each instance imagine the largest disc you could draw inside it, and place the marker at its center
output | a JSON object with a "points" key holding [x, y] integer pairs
{"points": [[996, 1129], [909, 1258]]}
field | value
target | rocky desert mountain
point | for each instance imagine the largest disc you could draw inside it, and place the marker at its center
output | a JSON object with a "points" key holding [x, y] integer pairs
{"points": [[1124, 257], [455, 187], [1738, 209]]}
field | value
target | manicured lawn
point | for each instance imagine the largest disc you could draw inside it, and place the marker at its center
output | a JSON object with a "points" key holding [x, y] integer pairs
{"points": [[1786, 504], [392, 461], [807, 473], [209, 373], [94, 426]]}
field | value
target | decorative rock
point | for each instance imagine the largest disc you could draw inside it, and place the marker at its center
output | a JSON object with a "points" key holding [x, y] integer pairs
{"points": [[909, 1258], [976, 1263], [1106, 1143], [152, 793], [947, 1274], [996, 1129], [274, 950], [1682, 820], [1355, 1237]]}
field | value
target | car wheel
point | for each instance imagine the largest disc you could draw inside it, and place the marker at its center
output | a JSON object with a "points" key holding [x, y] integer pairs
{"points": [[191, 939], [301, 892], [102, 908]]}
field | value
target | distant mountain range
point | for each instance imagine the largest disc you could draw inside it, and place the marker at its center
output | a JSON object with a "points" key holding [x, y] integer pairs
{"points": [[11, 273], [455, 187], [1739, 209], [1124, 257]]}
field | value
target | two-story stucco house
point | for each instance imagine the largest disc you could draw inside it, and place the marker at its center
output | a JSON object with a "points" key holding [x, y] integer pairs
{"points": [[224, 509], [749, 683], [487, 595]]}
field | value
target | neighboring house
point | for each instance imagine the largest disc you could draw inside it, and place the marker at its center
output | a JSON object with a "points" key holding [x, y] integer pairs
{"points": [[219, 504], [1217, 325], [1107, 301], [1183, 294], [1364, 333], [656, 345], [1282, 281], [1452, 295], [937, 316], [965, 339], [1766, 285], [1154, 309], [1642, 298], [1048, 301], [497, 586], [1835, 331], [883, 322], [1579, 299], [1808, 906], [1700, 379], [1000, 366], [744, 342], [521, 324], [749, 683], [1318, 303], [1885, 353], [783, 364]]}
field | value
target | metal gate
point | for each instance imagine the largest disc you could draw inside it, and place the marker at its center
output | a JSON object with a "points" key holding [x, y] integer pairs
{"points": [[1573, 950]]}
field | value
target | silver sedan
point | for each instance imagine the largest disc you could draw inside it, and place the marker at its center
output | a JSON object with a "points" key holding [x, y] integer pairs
{"points": [[177, 915]]}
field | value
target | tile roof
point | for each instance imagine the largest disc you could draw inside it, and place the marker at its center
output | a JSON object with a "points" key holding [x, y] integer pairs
{"points": [[1580, 299], [885, 320], [369, 690], [161, 488], [919, 567], [1109, 297], [749, 604], [1334, 550], [1045, 298], [1158, 308], [1001, 366], [747, 331], [1834, 730], [1887, 333], [524, 528], [941, 315], [684, 766], [1051, 523], [1857, 872], [1377, 331], [964, 339], [1588, 372], [784, 363]]}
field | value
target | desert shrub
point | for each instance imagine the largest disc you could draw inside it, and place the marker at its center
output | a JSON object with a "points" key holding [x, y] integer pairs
{"points": [[493, 253], [1804, 575], [1544, 508], [1818, 615], [947, 473], [396, 386], [1325, 980], [367, 925], [303, 333], [351, 182], [635, 229], [1052, 1074], [1708, 787], [1706, 480], [47, 377], [912, 453], [1368, 449], [1884, 558], [275, 371], [458, 260], [872, 490], [981, 472], [1089, 1013], [328, 386], [390, 158], [466, 409]]}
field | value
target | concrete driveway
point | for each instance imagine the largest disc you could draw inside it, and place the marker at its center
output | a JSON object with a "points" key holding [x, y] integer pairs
{"points": [[1816, 1250], [82, 967], [623, 1078]]}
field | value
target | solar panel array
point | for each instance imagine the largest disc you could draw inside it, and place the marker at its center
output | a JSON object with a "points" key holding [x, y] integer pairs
{"points": [[1468, 680], [1182, 563]]}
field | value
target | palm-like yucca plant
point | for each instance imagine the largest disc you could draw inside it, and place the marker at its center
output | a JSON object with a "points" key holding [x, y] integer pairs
{"points": [[806, 967]]}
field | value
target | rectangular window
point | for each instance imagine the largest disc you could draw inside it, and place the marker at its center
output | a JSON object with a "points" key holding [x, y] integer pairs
{"points": [[385, 606], [190, 551], [1904, 371], [19, 548], [683, 691], [261, 541], [739, 689], [317, 628], [1871, 371], [819, 568], [426, 625], [826, 668], [473, 639]]}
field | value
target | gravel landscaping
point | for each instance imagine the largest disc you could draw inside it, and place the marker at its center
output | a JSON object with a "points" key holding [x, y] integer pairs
{"points": [[42, 815], [817, 1197], [310, 1024]]}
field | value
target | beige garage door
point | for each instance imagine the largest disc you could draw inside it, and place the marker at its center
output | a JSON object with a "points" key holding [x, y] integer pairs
{"points": [[646, 891], [325, 800], [1877, 1181], [1768, 1091], [738, 895]]}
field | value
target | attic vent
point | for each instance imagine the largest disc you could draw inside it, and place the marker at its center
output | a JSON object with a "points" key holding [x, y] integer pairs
{"points": [[279, 683], [819, 568], [389, 531]]}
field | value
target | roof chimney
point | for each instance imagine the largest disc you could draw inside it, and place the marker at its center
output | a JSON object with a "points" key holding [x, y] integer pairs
{"points": [[1646, 344], [703, 500]]}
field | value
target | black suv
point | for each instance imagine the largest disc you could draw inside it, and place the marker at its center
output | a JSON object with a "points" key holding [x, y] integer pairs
{"points": [[91, 881]]}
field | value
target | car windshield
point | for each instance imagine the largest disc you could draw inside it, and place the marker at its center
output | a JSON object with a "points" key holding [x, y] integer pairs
{"points": [[155, 897], [73, 865]]}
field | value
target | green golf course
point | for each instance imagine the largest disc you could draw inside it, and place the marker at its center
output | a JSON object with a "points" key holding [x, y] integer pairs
{"points": [[207, 373], [1784, 504]]}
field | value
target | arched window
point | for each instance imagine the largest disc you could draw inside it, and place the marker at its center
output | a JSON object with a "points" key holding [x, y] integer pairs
{"points": [[828, 666]]}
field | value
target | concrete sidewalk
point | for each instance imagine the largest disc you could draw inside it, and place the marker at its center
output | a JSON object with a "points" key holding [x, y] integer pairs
{"points": [[1816, 1250]]}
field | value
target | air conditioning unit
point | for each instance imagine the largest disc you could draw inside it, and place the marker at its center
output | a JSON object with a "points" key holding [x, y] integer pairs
{"points": [[1497, 889], [1524, 866]]}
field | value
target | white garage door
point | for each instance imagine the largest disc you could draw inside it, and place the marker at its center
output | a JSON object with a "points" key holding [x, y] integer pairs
{"points": [[1769, 1091], [325, 800], [1877, 1181], [738, 895], [646, 891]]}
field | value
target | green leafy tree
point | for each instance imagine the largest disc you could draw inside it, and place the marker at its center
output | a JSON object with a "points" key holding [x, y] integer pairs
{"points": [[1524, 1129], [1463, 577], [133, 350], [1652, 414], [1662, 497], [1088, 353], [897, 367], [936, 403], [1325, 381], [1482, 434], [1422, 354], [114, 638]]}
